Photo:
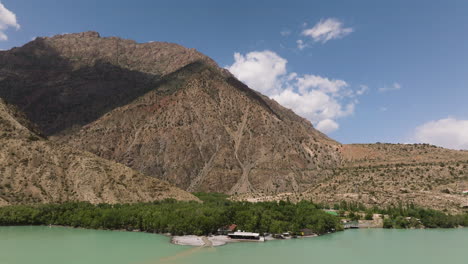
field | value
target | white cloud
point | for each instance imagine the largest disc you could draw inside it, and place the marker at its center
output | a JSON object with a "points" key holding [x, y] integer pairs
{"points": [[323, 84], [300, 44], [260, 70], [449, 133], [326, 30], [327, 126], [394, 87], [314, 105], [7, 19], [321, 100]]}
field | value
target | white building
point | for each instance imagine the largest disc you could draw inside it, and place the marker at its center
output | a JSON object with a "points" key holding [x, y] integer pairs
{"points": [[246, 235]]}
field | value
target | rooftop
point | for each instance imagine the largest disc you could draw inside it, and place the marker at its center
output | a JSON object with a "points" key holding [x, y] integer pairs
{"points": [[244, 234]]}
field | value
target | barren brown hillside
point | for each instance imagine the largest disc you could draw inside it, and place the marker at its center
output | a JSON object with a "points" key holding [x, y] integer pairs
{"points": [[33, 169], [164, 110], [390, 174], [379, 153]]}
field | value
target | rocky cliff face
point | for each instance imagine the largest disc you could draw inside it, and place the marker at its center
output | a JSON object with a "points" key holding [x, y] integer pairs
{"points": [[164, 110], [33, 170]]}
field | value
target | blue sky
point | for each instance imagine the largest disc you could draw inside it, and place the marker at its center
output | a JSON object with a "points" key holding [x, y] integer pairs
{"points": [[420, 47]]}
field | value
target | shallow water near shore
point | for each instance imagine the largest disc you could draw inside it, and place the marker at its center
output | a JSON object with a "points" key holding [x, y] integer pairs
{"points": [[58, 245]]}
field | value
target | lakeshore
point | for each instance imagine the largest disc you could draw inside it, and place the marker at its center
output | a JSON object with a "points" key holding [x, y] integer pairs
{"points": [[219, 240]]}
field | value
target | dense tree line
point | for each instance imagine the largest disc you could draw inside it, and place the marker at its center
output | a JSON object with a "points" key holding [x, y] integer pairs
{"points": [[170, 216], [178, 218], [412, 216], [403, 215]]}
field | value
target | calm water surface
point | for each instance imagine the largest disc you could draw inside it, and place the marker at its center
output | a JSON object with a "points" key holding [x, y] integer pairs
{"points": [[59, 245]]}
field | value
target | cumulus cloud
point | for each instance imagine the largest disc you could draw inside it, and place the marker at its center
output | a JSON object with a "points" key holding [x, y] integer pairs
{"points": [[327, 126], [7, 20], [321, 100], [323, 84], [394, 87], [449, 133], [260, 70], [315, 105], [326, 30]]}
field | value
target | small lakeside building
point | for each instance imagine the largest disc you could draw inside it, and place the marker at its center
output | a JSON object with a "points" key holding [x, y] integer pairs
{"points": [[348, 224], [307, 232], [225, 230], [246, 236]]}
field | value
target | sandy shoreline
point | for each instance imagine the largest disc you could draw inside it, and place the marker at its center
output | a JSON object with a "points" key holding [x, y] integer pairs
{"points": [[193, 240], [201, 241], [214, 241]]}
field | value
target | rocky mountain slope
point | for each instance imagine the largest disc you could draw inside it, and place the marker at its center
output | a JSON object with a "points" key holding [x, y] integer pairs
{"points": [[33, 169], [386, 174], [164, 110], [171, 113], [392, 173]]}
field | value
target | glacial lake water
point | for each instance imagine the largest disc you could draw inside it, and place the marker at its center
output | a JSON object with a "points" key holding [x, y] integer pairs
{"points": [[60, 245]]}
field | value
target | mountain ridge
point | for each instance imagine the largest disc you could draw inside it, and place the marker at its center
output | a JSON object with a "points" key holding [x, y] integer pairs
{"points": [[156, 94], [172, 113]]}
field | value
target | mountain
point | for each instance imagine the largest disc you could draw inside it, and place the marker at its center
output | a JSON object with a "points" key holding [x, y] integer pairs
{"points": [[164, 110], [399, 173], [32, 169], [391, 174], [173, 114]]}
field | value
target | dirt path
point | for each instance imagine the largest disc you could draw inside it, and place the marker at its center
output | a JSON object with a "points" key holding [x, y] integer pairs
{"points": [[207, 242]]}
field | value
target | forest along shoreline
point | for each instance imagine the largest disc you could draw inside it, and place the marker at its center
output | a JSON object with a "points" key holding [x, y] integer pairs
{"points": [[199, 224]]}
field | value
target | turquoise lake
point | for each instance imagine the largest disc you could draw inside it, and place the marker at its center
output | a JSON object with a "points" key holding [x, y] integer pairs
{"points": [[60, 245]]}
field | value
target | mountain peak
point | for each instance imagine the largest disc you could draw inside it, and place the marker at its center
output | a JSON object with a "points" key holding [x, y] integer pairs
{"points": [[89, 34]]}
